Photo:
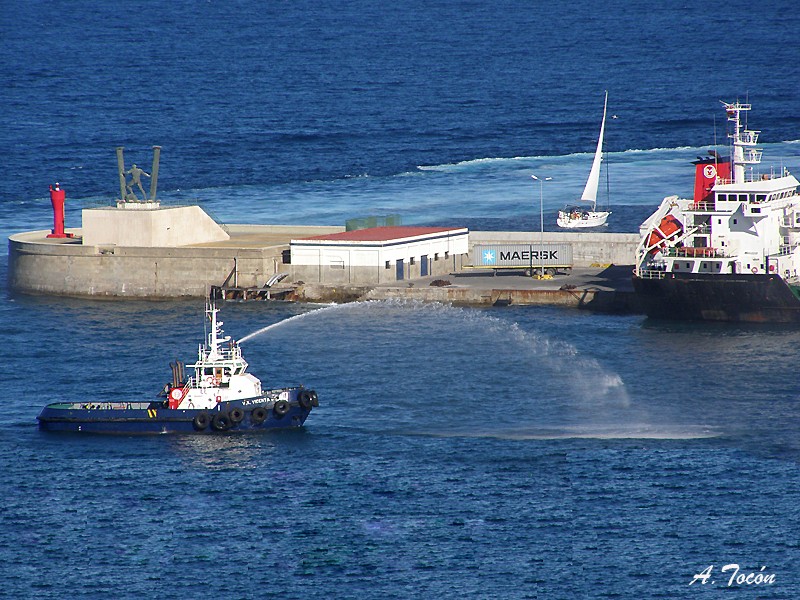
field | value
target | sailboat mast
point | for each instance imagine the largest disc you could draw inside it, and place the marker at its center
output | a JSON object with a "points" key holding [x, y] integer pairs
{"points": [[593, 182]]}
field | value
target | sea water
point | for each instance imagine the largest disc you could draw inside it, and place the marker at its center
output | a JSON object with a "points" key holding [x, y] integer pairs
{"points": [[517, 452]]}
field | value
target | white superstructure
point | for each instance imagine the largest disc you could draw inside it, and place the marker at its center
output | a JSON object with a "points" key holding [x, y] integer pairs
{"points": [[220, 372], [741, 219]]}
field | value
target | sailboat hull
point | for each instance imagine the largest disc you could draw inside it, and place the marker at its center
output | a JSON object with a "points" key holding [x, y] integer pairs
{"points": [[583, 220]]}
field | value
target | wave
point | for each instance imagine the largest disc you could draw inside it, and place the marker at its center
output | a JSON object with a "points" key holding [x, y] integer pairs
{"points": [[657, 150], [620, 433]]}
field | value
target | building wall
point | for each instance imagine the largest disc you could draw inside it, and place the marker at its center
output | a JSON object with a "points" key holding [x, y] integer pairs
{"points": [[360, 263]]}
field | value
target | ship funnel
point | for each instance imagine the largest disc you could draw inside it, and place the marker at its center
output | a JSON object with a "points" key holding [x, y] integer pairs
{"points": [[707, 173]]}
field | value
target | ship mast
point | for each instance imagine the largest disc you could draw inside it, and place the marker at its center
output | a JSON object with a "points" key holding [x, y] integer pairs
{"points": [[744, 141]]}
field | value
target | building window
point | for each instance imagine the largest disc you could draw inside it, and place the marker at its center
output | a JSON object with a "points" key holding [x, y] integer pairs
{"points": [[412, 261], [436, 256], [387, 265], [446, 254]]}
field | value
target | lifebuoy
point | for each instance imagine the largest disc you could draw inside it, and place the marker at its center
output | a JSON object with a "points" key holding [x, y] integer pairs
{"points": [[176, 394], [754, 270], [201, 421], [259, 415], [304, 399], [281, 408], [221, 421], [237, 415]]}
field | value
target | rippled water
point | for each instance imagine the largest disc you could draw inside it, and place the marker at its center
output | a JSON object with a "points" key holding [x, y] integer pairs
{"points": [[480, 453]]}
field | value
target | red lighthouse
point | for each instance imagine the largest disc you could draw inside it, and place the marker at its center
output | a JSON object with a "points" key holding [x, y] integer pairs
{"points": [[57, 197]]}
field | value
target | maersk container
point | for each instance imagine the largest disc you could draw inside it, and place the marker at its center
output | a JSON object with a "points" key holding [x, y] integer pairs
{"points": [[503, 256]]}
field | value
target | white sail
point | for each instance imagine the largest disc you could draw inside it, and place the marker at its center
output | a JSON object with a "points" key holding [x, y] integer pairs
{"points": [[590, 191]]}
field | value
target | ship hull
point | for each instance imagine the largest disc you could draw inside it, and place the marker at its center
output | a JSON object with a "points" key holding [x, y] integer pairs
{"points": [[154, 418], [742, 297]]}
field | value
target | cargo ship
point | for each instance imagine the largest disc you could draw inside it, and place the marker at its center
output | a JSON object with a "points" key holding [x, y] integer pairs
{"points": [[220, 397], [732, 251]]}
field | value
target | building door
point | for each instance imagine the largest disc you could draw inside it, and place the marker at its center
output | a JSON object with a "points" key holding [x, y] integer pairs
{"points": [[399, 269], [423, 265]]}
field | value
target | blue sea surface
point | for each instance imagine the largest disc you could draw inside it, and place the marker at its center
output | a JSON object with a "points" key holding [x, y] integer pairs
{"points": [[518, 452]]}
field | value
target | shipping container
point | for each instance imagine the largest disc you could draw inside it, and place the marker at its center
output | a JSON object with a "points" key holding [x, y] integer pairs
{"points": [[522, 256]]}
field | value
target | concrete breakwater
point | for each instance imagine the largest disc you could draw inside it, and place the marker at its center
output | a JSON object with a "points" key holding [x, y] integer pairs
{"points": [[253, 254], [602, 288]]}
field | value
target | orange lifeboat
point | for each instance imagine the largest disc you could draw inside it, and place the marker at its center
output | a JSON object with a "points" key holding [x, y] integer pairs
{"points": [[668, 226]]}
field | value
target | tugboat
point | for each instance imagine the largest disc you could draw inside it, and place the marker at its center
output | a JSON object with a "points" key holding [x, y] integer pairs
{"points": [[221, 396], [732, 252]]}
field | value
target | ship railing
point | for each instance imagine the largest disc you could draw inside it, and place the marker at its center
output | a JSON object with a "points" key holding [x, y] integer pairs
{"points": [[651, 273], [749, 136], [791, 221], [703, 206], [692, 252]]}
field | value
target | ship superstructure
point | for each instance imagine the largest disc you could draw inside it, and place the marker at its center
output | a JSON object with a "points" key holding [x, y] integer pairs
{"points": [[732, 252]]}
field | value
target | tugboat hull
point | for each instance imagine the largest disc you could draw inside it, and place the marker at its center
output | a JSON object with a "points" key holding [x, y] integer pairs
{"points": [[759, 298], [153, 418]]}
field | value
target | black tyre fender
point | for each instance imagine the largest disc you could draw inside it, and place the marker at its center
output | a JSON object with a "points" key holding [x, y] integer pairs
{"points": [[237, 415], [201, 421], [221, 421], [281, 408], [314, 398], [259, 415], [304, 400]]}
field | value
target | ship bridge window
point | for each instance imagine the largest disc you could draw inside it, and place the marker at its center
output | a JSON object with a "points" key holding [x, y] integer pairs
{"points": [[761, 197], [742, 197], [722, 197], [755, 210]]}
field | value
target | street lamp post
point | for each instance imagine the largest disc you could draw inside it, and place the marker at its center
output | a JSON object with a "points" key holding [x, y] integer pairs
{"points": [[541, 216]]}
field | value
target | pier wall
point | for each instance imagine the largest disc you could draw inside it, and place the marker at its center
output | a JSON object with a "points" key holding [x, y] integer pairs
{"points": [[252, 255], [67, 267]]}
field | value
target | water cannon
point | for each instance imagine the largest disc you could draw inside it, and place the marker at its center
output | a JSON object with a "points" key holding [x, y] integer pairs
{"points": [[57, 197]]}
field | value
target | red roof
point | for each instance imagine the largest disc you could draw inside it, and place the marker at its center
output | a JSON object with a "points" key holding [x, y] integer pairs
{"points": [[382, 234]]}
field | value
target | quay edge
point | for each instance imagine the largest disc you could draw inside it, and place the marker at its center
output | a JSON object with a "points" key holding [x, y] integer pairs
{"points": [[254, 253]]}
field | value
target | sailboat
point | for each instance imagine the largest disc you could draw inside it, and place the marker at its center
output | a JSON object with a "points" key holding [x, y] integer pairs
{"points": [[576, 216]]}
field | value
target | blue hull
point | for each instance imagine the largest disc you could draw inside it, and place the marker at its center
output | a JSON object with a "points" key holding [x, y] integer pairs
{"points": [[153, 418]]}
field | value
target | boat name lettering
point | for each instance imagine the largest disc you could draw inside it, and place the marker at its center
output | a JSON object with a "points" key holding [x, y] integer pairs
{"points": [[252, 402]]}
